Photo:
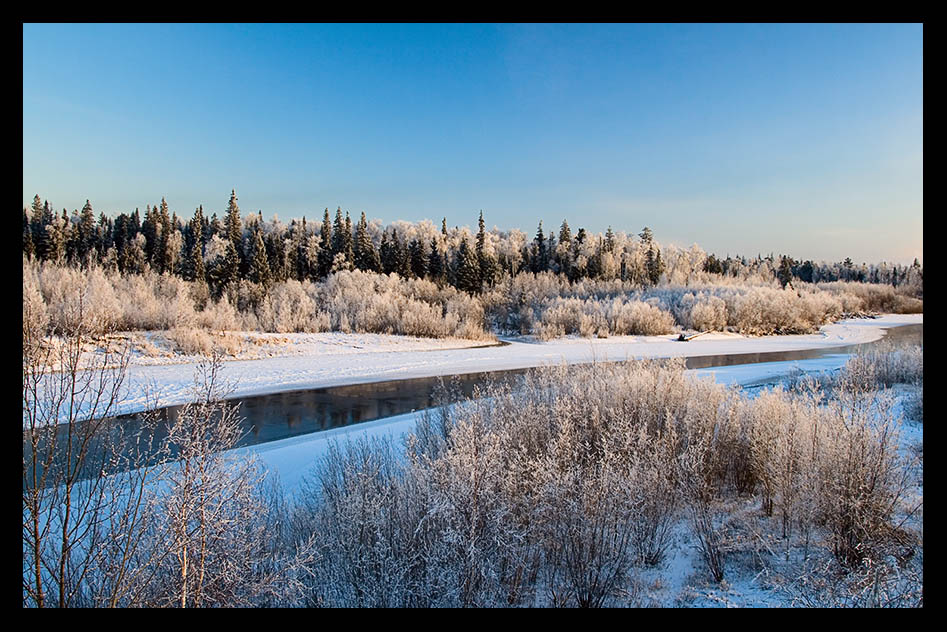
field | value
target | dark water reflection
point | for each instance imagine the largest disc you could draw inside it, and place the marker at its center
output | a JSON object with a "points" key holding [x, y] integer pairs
{"points": [[292, 413]]}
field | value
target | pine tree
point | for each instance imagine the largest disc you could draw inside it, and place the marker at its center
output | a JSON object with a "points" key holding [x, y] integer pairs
{"points": [[85, 232]]}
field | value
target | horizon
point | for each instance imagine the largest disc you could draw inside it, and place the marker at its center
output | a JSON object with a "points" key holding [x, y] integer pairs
{"points": [[804, 140]]}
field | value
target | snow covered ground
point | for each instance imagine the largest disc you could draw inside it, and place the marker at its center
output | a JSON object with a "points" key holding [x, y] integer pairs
{"points": [[340, 359], [680, 579], [294, 456]]}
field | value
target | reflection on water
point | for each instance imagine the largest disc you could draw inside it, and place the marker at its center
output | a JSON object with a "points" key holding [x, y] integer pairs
{"points": [[292, 413]]}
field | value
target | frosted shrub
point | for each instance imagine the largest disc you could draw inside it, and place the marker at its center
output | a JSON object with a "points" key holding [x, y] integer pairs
{"points": [[365, 302], [191, 341], [590, 318], [219, 315], [291, 309], [706, 313]]}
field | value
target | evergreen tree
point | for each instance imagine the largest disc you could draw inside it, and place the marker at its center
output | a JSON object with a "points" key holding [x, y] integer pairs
{"points": [[785, 271], [133, 260], [338, 234], [487, 262], [444, 226], [348, 248], [28, 248], [418, 259], [366, 257], [232, 222], [388, 263], [565, 234], [651, 265], [150, 229], [540, 259], [325, 247], [56, 239], [103, 235], [42, 216], [609, 244], [401, 258], [312, 253], [468, 270], [196, 254], [216, 228], [259, 271], [436, 268], [646, 236], [166, 244]]}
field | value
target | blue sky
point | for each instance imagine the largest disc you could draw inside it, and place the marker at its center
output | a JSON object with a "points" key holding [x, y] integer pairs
{"points": [[797, 139]]}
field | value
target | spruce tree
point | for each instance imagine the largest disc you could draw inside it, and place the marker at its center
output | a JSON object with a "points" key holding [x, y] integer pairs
{"points": [[436, 268], [28, 248], [325, 246], [468, 270], [366, 257], [540, 259], [784, 274], [387, 260], [338, 234], [233, 225], [348, 248], [259, 271], [196, 255], [418, 259], [486, 262], [166, 245]]}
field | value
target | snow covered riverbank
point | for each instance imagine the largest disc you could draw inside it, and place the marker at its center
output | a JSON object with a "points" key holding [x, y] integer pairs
{"points": [[340, 363]]}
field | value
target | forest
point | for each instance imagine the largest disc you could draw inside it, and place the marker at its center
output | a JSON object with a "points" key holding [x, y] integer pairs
{"points": [[158, 272]]}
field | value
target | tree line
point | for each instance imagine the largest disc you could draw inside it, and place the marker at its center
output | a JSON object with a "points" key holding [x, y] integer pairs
{"points": [[221, 252]]}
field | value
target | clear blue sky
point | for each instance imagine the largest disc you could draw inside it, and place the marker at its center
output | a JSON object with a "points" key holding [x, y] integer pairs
{"points": [[797, 139]]}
